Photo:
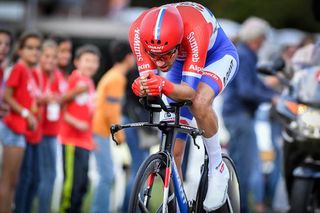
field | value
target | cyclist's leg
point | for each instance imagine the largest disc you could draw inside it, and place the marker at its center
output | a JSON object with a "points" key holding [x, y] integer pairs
{"points": [[216, 75], [219, 69]]}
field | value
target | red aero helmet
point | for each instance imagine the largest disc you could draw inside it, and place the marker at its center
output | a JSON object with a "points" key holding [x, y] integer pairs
{"points": [[161, 29]]}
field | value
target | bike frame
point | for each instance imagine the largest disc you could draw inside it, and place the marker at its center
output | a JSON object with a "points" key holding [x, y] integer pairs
{"points": [[171, 170], [168, 130]]}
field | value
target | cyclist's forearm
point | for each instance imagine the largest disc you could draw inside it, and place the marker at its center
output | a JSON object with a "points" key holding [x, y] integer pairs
{"points": [[182, 92]]}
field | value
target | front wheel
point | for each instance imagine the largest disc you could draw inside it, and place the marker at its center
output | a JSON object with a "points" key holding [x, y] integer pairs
{"points": [[147, 193]]}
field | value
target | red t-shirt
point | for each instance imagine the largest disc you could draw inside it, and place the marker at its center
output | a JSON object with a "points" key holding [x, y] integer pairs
{"points": [[81, 108], [21, 80], [52, 86], [35, 136]]}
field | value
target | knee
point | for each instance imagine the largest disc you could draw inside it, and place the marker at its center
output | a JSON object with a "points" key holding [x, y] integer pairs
{"points": [[201, 105]]}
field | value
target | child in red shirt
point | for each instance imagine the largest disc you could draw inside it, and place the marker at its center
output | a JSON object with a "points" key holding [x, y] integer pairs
{"points": [[76, 131], [52, 82], [30, 169], [39, 164], [20, 96]]}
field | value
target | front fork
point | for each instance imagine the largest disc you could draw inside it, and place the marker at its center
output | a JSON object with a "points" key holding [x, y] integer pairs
{"points": [[148, 189], [166, 188], [166, 183]]}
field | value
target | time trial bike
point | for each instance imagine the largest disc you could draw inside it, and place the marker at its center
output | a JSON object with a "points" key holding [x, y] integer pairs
{"points": [[158, 187]]}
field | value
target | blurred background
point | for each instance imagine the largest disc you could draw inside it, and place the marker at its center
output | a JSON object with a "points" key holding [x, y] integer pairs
{"points": [[100, 22]]}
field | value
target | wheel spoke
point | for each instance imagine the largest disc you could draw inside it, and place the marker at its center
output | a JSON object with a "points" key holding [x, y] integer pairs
{"points": [[171, 198], [142, 207], [159, 210]]}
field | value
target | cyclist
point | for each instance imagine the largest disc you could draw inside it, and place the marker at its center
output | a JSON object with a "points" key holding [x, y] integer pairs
{"points": [[186, 41]]}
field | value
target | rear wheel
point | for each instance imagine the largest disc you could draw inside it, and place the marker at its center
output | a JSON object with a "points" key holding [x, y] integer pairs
{"points": [[147, 193], [233, 185], [233, 199]]}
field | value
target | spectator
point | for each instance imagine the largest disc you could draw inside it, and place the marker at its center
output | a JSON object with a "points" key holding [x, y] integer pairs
{"points": [[76, 131], [51, 80], [5, 44], [20, 96], [64, 53], [241, 100], [29, 173], [307, 39], [284, 64], [110, 93]]}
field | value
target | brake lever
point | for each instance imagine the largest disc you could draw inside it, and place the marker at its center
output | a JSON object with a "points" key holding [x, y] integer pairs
{"points": [[113, 130], [194, 135], [194, 142]]}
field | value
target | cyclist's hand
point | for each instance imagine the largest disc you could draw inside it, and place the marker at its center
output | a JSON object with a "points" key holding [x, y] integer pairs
{"points": [[137, 87], [154, 86], [157, 84]]}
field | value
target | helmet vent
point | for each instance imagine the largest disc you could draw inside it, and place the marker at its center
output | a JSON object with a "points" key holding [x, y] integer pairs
{"points": [[159, 42], [146, 42], [166, 43], [152, 41]]}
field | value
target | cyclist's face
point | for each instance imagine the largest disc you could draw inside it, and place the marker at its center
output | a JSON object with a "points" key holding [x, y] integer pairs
{"points": [[165, 60]]}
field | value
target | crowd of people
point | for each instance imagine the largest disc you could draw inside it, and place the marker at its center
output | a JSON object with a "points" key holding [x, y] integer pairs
{"points": [[249, 92], [44, 106]]}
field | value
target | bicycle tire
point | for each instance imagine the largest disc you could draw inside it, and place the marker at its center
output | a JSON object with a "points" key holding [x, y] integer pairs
{"points": [[155, 164], [233, 199], [202, 190]]}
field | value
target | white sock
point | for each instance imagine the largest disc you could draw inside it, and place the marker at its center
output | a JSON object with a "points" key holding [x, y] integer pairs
{"points": [[214, 152]]}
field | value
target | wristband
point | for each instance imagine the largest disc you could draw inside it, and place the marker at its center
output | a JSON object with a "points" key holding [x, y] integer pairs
{"points": [[24, 113], [167, 87]]}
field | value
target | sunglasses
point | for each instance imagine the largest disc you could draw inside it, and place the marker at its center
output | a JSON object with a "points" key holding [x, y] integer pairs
{"points": [[162, 56]]}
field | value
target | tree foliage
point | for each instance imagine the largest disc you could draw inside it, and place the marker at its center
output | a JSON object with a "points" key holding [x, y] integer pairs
{"points": [[279, 13]]}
